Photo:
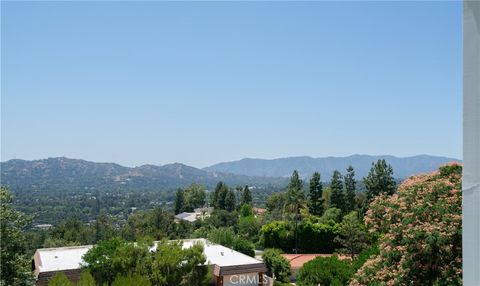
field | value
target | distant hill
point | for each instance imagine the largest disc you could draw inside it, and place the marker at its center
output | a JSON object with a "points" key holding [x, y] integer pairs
{"points": [[66, 174], [283, 167]]}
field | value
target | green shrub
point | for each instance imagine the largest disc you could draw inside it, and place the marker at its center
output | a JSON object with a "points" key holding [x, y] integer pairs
{"points": [[325, 271], [86, 279], [277, 265], [59, 279], [131, 280], [244, 246]]}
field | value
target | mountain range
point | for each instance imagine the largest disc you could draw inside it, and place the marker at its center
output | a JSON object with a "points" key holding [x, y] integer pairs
{"points": [[403, 167], [64, 174], [73, 174]]}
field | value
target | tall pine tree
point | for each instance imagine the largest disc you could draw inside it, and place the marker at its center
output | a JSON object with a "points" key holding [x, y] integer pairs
{"points": [[218, 199], [246, 196], [230, 201], [179, 204], [337, 197], [315, 195], [350, 189], [379, 180], [295, 200]]}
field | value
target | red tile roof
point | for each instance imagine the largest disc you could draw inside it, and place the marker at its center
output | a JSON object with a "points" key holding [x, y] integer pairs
{"points": [[297, 260]]}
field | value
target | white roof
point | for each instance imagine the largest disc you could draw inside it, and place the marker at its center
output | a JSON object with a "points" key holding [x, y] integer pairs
{"points": [[62, 258], [67, 258], [190, 217], [219, 254]]}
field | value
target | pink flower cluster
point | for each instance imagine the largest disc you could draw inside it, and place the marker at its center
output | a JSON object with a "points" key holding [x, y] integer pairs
{"points": [[420, 232]]}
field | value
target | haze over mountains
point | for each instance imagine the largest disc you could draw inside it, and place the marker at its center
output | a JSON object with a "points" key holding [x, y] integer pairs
{"points": [[282, 167], [74, 174]]}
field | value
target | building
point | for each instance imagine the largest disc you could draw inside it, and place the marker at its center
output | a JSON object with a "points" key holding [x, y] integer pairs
{"points": [[229, 267], [259, 211], [199, 213], [48, 261], [45, 226]]}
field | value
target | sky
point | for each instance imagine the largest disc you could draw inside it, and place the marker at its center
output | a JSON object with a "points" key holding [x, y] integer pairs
{"points": [[206, 82]]}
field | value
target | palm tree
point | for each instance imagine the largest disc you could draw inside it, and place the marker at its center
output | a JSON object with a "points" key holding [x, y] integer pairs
{"points": [[295, 201]]}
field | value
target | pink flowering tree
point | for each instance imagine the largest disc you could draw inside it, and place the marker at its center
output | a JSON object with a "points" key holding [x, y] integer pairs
{"points": [[420, 232]]}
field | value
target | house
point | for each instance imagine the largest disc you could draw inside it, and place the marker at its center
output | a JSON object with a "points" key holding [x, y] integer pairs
{"points": [[186, 216], [198, 213], [45, 226], [229, 267], [258, 211], [48, 261]]}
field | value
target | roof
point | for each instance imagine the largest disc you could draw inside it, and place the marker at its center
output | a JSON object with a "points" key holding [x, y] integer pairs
{"points": [[220, 255], [190, 217], [259, 210], [61, 258], [69, 258], [297, 260]]}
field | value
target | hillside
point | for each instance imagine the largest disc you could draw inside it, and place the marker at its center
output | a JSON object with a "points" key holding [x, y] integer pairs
{"points": [[59, 174], [282, 167]]}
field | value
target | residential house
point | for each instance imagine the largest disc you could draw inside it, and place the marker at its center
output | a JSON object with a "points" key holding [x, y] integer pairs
{"points": [[229, 267]]}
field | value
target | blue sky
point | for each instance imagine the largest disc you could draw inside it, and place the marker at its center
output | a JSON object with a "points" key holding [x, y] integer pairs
{"points": [[200, 83]]}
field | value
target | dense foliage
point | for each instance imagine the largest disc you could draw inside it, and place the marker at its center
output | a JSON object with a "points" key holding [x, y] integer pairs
{"points": [[421, 232], [168, 264], [325, 271], [278, 267], [15, 264], [412, 235]]}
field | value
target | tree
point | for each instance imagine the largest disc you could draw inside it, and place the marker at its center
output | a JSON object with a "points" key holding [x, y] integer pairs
{"points": [[222, 218], [100, 260], [133, 258], [246, 210], [103, 228], [248, 227], [230, 201], [379, 180], [194, 197], [278, 267], [222, 236], [278, 234], [295, 200], [219, 195], [421, 232], [325, 271], [173, 265], [275, 205], [246, 196], [86, 279], [228, 238], [244, 246], [315, 195], [15, 265], [179, 203], [350, 189], [331, 214], [168, 264], [353, 236], [59, 279], [337, 197], [131, 280]]}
